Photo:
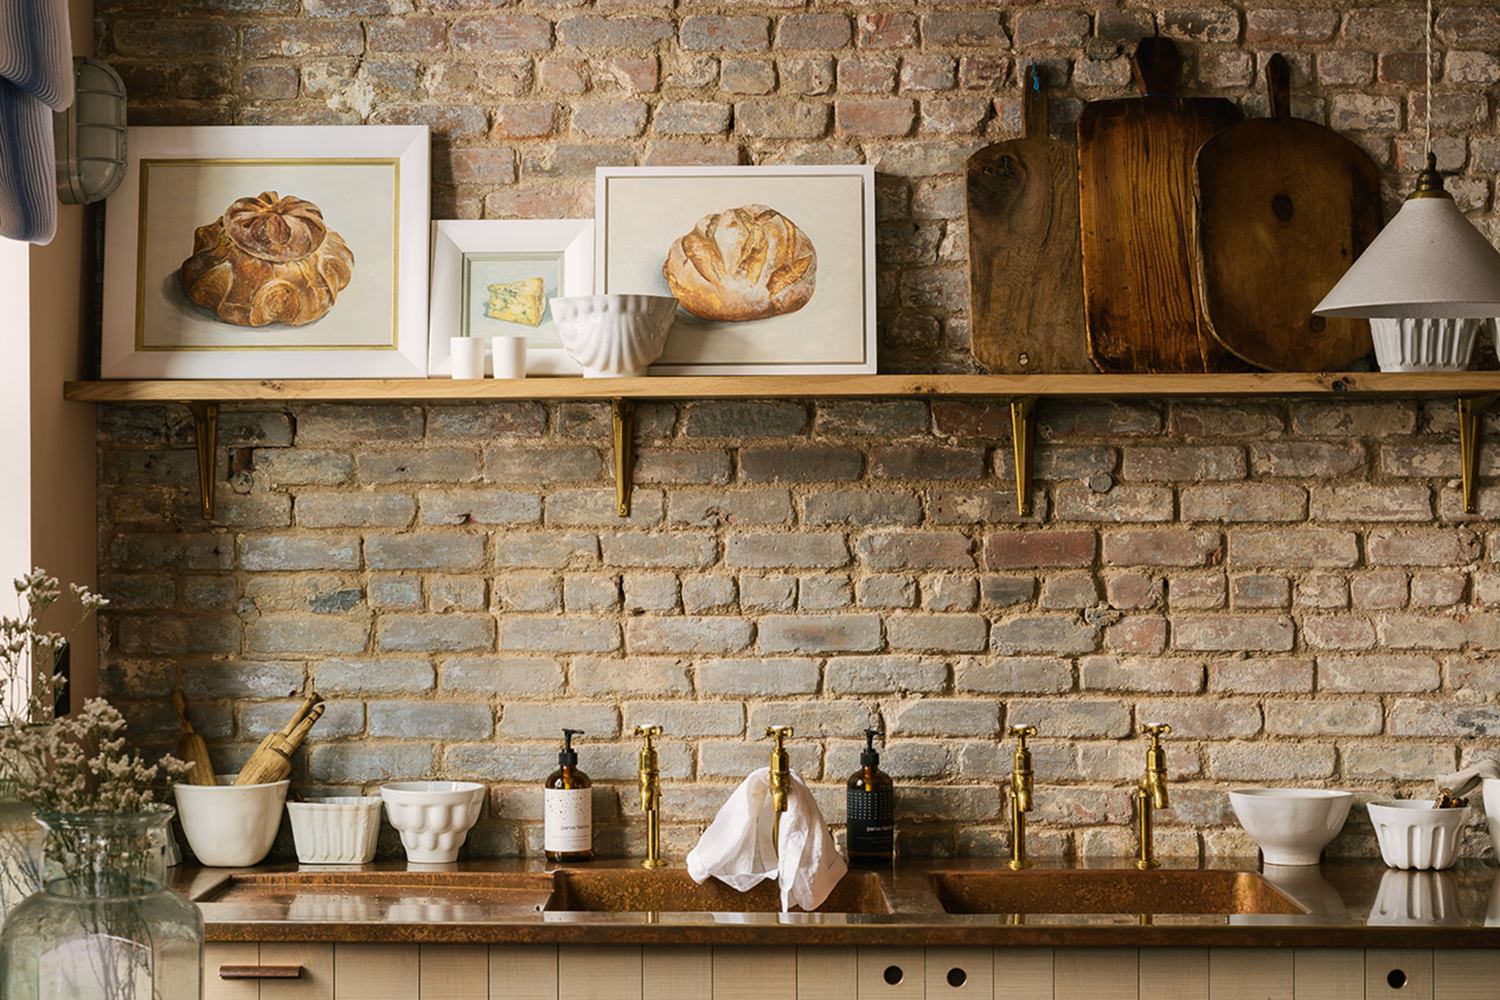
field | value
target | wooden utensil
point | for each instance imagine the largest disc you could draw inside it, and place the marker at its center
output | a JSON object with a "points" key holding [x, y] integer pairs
{"points": [[1135, 202], [272, 760], [1025, 272], [1283, 207], [191, 748]]}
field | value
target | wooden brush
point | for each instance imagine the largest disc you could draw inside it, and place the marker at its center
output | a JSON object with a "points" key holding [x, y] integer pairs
{"points": [[272, 760], [192, 749]]}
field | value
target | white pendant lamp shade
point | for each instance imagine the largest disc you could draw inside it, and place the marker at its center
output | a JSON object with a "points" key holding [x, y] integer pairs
{"points": [[1429, 262]]}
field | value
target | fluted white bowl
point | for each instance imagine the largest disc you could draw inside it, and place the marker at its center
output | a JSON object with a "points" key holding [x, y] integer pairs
{"points": [[335, 831], [1424, 345], [1412, 834], [433, 817], [1291, 825], [227, 825], [614, 336]]}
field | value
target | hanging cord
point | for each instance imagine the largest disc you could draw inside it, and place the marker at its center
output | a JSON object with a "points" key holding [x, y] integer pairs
{"points": [[1427, 117]]}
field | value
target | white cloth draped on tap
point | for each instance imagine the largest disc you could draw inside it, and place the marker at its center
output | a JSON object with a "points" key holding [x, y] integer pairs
{"points": [[36, 79], [737, 847]]}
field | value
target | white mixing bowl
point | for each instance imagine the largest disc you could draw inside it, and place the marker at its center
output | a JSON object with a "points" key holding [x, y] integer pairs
{"points": [[433, 817], [1291, 825], [1412, 834], [227, 825]]}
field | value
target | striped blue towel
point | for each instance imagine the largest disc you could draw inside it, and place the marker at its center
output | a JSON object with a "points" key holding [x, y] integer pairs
{"points": [[36, 78]]}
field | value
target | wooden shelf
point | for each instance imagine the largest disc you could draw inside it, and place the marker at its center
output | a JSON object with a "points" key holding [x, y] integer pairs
{"points": [[791, 387]]}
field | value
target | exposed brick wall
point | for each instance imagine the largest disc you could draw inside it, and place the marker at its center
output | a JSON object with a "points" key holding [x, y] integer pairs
{"points": [[1289, 584], [526, 98]]}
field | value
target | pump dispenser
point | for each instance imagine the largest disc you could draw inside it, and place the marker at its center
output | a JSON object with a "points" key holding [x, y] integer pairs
{"points": [[872, 810], [568, 808]]}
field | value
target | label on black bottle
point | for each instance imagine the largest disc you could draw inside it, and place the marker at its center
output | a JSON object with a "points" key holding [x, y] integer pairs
{"points": [[872, 826]]}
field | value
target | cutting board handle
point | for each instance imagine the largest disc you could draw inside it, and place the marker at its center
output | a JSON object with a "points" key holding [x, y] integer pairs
{"points": [[1034, 103], [1279, 86], [1157, 65]]}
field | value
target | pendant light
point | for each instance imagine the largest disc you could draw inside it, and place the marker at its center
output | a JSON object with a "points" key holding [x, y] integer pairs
{"points": [[1428, 281]]}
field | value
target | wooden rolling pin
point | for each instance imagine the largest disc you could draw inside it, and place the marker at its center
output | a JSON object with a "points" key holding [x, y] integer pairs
{"points": [[272, 760], [192, 749]]}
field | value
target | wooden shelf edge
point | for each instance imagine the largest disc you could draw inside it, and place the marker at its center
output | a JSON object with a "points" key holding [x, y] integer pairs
{"points": [[787, 386]]}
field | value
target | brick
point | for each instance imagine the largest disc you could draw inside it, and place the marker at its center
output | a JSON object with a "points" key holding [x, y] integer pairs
{"points": [[1053, 634], [558, 634], [949, 592], [1202, 24], [503, 677], [887, 674], [594, 31], [1013, 675], [358, 763], [1121, 504], [1290, 27], [1199, 591], [738, 420], [1338, 632], [762, 551], [1069, 590], [457, 593], [1438, 588], [861, 507], [1244, 502], [1232, 632], [1422, 460], [448, 552], [914, 550], [811, 74], [408, 34], [568, 76], [715, 32], [1380, 590], [874, 116], [887, 591], [395, 591], [950, 633], [885, 31], [1028, 550], [867, 74], [706, 593], [928, 72], [824, 592], [441, 633], [1421, 632], [688, 635], [584, 593], [610, 119], [1260, 590], [1203, 719], [758, 678], [692, 118], [447, 122], [983, 72], [1270, 761], [748, 76], [633, 676], [1378, 673], [1114, 673], [534, 721], [742, 507], [948, 717], [677, 549], [1469, 26], [735, 760], [1185, 463], [1409, 717], [1473, 68], [1305, 458], [1322, 590], [800, 464], [1166, 547], [1272, 675], [286, 467], [1364, 502], [525, 120], [639, 74], [1352, 418], [1399, 761], [1137, 635], [650, 592], [1049, 28], [664, 153], [813, 719], [1422, 547], [293, 634], [819, 633], [1287, 549], [964, 29], [528, 549], [981, 506], [1078, 719], [773, 592], [954, 115], [813, 31], [433, 465], [440, 720], [243, 678], [481, 506], [373, 677], [291, 552]]}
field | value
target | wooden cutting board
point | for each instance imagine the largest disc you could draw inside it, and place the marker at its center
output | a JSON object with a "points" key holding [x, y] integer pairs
{"points": [[1135, 160], [1283, 208], [1025, 271]]}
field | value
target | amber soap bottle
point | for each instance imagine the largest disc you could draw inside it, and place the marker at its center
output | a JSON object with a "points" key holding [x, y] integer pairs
{"points": [[568, 808], [872, 811]]}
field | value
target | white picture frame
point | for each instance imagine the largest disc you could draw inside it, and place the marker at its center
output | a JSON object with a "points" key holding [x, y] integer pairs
{"points": [[641, 211], [370, 183], [462, 250]]}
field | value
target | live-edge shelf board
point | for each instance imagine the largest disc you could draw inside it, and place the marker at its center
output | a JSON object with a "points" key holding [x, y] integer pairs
{"points": [[1475, 391]]}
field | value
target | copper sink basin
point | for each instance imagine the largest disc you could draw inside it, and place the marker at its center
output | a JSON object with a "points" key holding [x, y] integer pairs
{"points": [[381, 895], [637, 890], [1163, 890]]}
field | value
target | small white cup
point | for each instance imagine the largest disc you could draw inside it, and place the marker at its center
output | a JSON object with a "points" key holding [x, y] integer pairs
{"points": [[467, 356], [509, 354]]}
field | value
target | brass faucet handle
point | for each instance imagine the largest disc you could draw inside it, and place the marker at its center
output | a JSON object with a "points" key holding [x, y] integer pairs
{"points": [[648, 732], [1021, 732], [1155, 732], [780, 733]]}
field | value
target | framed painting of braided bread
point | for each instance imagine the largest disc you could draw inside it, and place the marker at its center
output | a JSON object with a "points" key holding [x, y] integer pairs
{"points": [[773, 268], [268, 252]]}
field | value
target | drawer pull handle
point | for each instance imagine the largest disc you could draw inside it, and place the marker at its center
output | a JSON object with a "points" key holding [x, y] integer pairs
{"points": [[1396, 978], [260, 972], [893, 975], [957, 977]]}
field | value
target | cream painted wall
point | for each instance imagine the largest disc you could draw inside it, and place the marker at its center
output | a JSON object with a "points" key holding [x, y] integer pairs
{"points": [[63, 522], [15, 414]]}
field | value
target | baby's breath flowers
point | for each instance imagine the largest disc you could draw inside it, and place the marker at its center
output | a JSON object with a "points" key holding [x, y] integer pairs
{"points": [[28, 653]]}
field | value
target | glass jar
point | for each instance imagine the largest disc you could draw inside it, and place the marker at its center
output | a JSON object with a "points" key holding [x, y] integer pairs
{"points": [[104, 926]]}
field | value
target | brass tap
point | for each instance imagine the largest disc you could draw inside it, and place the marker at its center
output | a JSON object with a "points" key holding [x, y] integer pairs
{"points": [[1150, 794], [1020, 797], [650, 778], [781, 778]]}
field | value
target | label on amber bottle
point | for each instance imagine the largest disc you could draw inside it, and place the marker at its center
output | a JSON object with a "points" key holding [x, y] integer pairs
{"points": [[569, 820], [872, 825]]}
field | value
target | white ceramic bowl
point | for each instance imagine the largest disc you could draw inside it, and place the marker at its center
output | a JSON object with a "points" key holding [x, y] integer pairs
{"points": [[335, 831], [1291, 825], [227, 825], [433, 817], [614, 336], [1491, 787], [1412, 834], [1424, 345]]}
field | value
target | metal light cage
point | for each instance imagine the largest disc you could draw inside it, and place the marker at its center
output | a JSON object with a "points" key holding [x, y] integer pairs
{"points": [[90, 135]]}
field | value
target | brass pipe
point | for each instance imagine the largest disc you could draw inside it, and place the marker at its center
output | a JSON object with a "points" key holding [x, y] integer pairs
{"points": [[650, 780], [1020, 797], [1150, 794], [781, 779]]}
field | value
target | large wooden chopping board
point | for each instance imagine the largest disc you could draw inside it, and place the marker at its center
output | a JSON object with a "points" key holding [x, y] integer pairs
{"points": [[1025, 272], [1283, 208], [1135, 161]]}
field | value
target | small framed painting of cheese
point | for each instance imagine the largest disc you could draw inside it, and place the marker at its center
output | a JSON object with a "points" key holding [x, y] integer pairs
{"points": [[493, 278], [773, 268]]}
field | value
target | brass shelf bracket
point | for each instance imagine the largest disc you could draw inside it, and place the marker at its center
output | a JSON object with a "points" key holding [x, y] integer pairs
{"points": [[206, 428], [622, 416], [1023, 437], [1470, 421]]}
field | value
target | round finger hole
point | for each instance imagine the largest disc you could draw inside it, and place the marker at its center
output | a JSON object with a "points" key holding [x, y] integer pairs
{"points": [[957, 977], [894, 975], [1396, 978]]}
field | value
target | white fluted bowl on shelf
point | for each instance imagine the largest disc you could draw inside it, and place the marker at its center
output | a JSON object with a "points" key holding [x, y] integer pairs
{"points": [[1424, 345], [433, 817], [614, 336], [1291, 825], [335, 831], [1412, 834]]}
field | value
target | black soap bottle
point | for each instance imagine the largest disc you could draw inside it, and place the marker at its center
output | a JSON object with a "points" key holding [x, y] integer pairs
{"points": [[872, 810], [568, 808]]}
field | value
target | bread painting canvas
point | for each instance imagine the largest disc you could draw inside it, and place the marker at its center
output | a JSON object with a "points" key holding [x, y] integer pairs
{"points": [[772, 268]]}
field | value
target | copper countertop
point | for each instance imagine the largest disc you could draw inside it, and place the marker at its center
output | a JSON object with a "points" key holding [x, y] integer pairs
{"points": [[1349, 903]]}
